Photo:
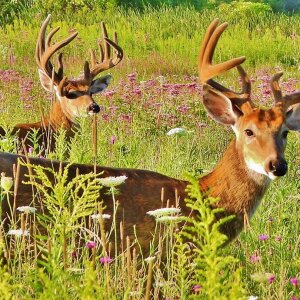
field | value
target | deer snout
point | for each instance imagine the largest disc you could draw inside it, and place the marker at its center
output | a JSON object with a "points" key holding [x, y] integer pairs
{"points": [[94, 108], [278, 167]]}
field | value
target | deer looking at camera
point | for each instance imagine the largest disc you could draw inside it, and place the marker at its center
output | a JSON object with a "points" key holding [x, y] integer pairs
{"points": [[74, 97], [240, 179]]}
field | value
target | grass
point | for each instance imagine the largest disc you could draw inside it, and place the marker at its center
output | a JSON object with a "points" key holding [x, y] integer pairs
{"points": [[161, 49]]}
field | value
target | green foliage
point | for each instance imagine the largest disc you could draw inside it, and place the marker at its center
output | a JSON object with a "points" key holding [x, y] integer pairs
{"points": [[12, 9], [214, 272], [8, 142], [67, 201], [237, 10]]}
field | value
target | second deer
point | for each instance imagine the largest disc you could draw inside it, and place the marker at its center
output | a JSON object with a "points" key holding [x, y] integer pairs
{"points": [[74, 97]]}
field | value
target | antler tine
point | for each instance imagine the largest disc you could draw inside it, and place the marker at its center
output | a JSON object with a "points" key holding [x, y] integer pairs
{"points": [[118, 51], [106, 46], [206, 69], [287, 100], [44, 50], [276, 90], [210, 30]]}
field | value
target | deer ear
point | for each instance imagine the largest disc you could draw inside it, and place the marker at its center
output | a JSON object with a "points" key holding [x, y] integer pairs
{"points": [[293, 117], [46, 81], [219, 107], [100, 84]]}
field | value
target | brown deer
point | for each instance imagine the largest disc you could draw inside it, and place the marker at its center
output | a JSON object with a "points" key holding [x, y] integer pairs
{"points": [[240, 179], [74, 97]]}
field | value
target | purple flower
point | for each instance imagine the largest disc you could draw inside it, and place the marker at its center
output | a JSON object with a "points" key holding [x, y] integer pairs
{"points": [[255, 258], [197, 288], [30, 150], [294, 281], [131, 77], [105, 260], [113, 139], [91, 244], [294, 298], [263, 237], [271, 278], [278, 238], [74, 254]]}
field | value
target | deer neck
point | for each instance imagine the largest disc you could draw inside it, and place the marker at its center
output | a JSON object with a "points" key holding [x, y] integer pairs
{"points": [[57, 118], [239, 189]]}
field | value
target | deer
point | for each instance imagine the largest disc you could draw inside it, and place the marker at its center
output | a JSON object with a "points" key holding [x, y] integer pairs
{"points": [[74, 97], [252, 160]]}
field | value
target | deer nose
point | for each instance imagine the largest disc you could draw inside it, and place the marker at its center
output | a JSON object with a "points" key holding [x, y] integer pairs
{"points": [[278, 167], [94, 108]]}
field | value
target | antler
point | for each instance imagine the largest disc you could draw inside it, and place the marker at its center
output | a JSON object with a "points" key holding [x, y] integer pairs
{"points": [[280, 100], [105, 61], [207, 49], [207, 70], [44, 51]]}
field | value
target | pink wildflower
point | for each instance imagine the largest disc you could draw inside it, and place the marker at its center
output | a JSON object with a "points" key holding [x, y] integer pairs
{"points": [[271, 278], [294, 281], [105, 260], [263, 237], [197, 288], [91, 244], [255, 258]]}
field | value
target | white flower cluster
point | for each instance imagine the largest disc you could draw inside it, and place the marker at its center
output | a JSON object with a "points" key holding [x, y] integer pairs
{"points": [[26, 209], [164, 211], [177, 131], [166, 215], [18, 232], [100, 216], [112, 181]]}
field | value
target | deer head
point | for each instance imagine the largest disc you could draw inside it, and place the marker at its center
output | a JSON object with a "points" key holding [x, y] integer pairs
{"points": [[75, 96], [260, 133]]}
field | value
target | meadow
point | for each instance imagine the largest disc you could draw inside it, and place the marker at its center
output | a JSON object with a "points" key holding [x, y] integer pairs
{"points": [[153, 90]]}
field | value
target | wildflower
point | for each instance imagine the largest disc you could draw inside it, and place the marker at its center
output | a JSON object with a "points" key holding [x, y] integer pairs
{"points": [[112, 181], [30, 150], [113, 139], [26, 209], [252, 298], [169, 219], [164, 211], [18, 232], [255, 258], [177, 131], [294, 298], [263, 237], [131, 77], [150, 259], [91, 244], [6, 182], [197, 288], [100, 216], [278, 238], [105, 260], [294, 281], [271, 278], [74, 254]]}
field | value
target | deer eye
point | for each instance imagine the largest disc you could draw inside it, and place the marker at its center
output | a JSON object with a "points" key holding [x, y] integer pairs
{"points": [[285, 134], [249, 132], [72, 95]]}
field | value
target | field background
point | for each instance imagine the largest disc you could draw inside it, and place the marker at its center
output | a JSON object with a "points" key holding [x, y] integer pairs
{"points": [[155, 89]]}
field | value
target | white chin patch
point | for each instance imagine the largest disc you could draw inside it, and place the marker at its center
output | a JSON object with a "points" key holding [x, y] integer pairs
{"points": [[257, 168], [272, 176], [91, 113]]}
